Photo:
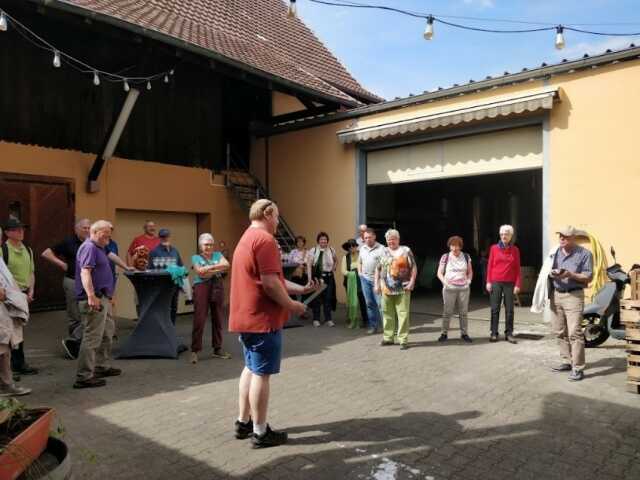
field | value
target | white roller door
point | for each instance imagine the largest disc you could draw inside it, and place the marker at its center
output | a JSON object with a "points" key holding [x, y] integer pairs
{"points": [[184, 236], [502, 151]]}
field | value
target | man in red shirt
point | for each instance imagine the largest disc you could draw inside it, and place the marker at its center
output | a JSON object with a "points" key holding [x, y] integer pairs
{"points": [[149, 239], [259, 307]]}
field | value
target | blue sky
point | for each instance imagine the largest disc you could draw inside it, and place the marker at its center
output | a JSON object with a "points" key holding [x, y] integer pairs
{"points": [[387, 54]]}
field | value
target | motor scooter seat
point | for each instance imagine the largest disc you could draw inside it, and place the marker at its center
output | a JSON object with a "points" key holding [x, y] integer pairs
{"points": [[592, 309], [601, 301]]}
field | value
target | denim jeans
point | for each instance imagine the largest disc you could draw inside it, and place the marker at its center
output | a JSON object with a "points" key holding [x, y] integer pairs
{"points": [[373, 303]]}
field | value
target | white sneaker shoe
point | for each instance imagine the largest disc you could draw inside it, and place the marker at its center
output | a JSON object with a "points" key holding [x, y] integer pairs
{"points": [[330, 324], [12, 390], [316, 323]]}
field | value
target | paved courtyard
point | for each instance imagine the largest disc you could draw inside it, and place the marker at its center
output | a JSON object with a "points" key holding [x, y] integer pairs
{"points": [[353, 410]]}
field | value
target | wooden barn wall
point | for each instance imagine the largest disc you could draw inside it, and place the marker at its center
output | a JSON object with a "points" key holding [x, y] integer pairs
{"points": [[186, 122]]}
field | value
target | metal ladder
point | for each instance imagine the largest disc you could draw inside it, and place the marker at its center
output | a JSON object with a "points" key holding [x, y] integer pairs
{"points": [[247, 189]]}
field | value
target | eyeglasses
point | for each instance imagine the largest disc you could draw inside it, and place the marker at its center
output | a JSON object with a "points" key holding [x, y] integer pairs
{"points": [[207, 244]]}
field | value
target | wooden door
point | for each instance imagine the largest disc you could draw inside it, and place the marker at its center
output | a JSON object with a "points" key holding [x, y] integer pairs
{"points": [[47, 206]]}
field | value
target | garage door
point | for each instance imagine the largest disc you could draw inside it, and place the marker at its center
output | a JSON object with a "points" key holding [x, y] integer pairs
{"points": [[503, 151], [184, 236]]}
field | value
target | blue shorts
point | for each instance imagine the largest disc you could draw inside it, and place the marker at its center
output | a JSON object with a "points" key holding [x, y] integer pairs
{"points": [[262, 352]]}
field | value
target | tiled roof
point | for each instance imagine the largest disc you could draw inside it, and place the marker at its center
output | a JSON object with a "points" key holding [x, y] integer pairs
{"points": [[256, 33]]}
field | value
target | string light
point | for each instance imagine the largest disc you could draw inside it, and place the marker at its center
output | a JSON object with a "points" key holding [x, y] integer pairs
{"points": [[559, 37], [428, 31], [432, 18], [292, 11], [73, 62]]}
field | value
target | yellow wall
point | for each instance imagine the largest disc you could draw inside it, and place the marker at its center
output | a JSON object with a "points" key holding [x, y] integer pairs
{"points": [[593, 157], [134, 185], [312, 179]]}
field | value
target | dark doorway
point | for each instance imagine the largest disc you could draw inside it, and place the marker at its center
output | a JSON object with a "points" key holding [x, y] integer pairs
{"points": [[47, 206], [428, 213]]}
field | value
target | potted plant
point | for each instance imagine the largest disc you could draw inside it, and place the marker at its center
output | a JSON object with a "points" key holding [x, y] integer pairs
{"points": [[24, 433]]}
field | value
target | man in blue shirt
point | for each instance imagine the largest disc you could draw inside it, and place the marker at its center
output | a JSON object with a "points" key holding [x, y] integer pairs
{"points": [[166, 250], [572, 271]]}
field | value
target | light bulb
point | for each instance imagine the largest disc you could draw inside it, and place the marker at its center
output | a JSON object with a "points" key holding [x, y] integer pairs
{"points": [[171, 72], [292, 11], [56, 59], [148, 85], [96, 79], [166, 79], [3, 22], [428, 31], [559, 37], [126, 85]]}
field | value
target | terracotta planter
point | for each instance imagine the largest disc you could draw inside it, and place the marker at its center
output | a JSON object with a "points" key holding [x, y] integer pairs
{"points": [[26, 447]]}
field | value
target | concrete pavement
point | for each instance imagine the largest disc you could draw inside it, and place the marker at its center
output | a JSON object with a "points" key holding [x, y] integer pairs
{"points": [[353, 410]]}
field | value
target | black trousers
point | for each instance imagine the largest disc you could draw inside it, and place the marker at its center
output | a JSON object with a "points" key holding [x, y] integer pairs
{"points": [[500, 291], [326, 299], [17, 358]]}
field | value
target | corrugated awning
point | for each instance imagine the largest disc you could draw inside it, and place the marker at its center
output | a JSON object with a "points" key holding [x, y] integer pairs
{"points": [[542, 100]]}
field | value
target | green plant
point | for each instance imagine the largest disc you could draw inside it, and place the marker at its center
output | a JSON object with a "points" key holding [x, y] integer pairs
{"points": [[12, 412]]}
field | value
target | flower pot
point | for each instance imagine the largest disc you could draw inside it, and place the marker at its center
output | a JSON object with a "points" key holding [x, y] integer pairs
{"points": [[27, 446]]}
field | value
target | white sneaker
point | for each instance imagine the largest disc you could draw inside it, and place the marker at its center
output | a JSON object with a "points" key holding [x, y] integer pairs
{"points": [[12, 390], [330, 324], [316, 323]]}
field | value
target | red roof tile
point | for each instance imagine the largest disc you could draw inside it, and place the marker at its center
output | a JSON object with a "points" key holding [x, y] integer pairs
{"points": [[254, 32]]}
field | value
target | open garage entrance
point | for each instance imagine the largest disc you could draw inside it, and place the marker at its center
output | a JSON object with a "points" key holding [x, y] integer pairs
{"points": [[465, 186]]}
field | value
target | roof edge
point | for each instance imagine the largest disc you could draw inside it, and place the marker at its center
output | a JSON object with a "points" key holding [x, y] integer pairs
{"points": [[509, 79], [64, 6]]}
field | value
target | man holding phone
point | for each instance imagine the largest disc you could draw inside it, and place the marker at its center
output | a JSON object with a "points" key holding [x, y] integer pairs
{"points": [[572, 271]]}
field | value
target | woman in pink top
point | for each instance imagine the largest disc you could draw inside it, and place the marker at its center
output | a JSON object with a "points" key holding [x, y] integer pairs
{"points": [[503, 281], [455, 273]]}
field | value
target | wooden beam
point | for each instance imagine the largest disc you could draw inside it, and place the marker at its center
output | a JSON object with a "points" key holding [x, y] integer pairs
{"points": [[310, 112], [111, 141]]}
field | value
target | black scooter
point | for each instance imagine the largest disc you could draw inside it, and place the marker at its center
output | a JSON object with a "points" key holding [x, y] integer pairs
{"points": [[601, 319]]}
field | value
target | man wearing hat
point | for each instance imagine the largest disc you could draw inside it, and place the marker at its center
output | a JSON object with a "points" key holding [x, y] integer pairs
{"points": [[166, 250], [19, 259], [571, 273], [352, 286]]}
